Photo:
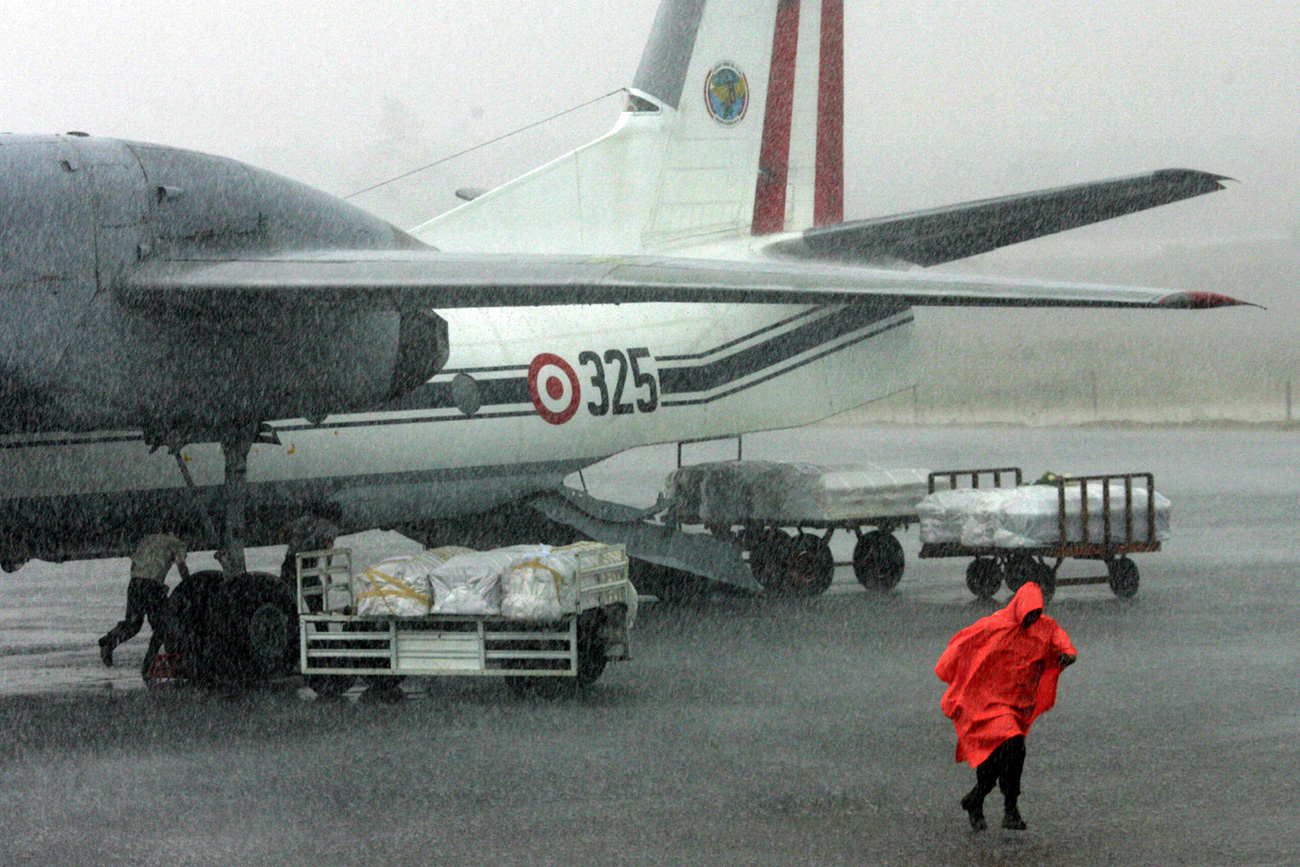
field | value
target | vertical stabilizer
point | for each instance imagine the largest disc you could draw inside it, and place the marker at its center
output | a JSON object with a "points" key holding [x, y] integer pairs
{"points": [[733, 127]]}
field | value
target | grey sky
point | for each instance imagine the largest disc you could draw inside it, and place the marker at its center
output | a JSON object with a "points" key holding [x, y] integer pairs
{"points": [[946, 100]]}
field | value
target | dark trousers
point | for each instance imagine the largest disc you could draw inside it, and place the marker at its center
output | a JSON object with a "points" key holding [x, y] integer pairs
{"points": [[144, 598], [1002, 768]]}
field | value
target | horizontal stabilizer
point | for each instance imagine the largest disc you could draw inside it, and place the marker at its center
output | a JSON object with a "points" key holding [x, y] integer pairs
{"points": [[957, 231], [405, 280]]}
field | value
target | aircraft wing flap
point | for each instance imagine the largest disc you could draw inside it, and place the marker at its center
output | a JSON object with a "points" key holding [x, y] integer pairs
{"points": [[429, 279], [946, 234]]}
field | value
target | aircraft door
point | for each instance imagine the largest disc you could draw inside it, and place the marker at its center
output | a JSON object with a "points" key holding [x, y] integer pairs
{"points": [[120, 196], [47, 260]]}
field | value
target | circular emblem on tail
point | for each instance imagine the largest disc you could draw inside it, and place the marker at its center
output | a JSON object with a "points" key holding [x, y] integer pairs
{"points": [[726, 93]]}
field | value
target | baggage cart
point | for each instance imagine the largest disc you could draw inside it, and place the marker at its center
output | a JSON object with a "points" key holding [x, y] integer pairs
{"points": [[337, 647], [769, 509], [1124, 531]]}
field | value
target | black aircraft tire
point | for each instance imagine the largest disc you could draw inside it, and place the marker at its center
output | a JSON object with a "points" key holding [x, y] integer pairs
{"points": [[251, 634], [984, 577], [1123, 577], [878, 561], [810, 566]]}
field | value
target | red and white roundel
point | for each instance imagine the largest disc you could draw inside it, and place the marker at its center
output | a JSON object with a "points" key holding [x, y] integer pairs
{"points": [[553, 386]]}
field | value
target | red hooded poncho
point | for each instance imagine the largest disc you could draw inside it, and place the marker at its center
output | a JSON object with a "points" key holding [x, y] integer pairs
{"points": [[1000, 675]]}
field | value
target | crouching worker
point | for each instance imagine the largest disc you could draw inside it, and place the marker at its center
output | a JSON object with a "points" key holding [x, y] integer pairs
{"points": [[146, 593], [1001, 673]]}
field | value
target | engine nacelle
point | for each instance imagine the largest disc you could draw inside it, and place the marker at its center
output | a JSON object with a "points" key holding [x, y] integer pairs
{"points": [[78, 214]]}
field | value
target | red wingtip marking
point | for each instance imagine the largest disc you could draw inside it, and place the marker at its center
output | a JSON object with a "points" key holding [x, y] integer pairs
{"points": [[1202, 301]]}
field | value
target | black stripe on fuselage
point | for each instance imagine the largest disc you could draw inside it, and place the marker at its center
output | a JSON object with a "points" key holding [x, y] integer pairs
{"points": [[697, 379], [680, 384], [784, 370]]}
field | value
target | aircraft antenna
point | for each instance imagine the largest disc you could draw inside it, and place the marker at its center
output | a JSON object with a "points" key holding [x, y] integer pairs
{"points": [[490, 141]]}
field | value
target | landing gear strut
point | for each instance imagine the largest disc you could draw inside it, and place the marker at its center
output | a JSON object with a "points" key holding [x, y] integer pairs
{"points": [[236, 447]]}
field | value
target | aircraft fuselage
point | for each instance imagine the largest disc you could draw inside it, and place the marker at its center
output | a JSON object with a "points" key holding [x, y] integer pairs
{"points": [[91, 386]]}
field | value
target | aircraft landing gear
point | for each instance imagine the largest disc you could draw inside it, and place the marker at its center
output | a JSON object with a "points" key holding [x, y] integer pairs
{"points": [[235, 445]]}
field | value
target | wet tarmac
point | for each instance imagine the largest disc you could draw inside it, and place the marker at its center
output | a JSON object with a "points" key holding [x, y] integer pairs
{"points": [[745, 731]]}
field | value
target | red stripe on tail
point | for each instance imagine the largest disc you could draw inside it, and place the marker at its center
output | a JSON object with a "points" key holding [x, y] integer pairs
{"points": [[828, 200], [774, 158]]}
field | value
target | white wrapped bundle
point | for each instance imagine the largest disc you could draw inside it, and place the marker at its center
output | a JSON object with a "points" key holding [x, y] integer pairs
{"points": [[471, 583], [738, 492], [396, 587], [542, 587], [1029, 516], [963, 516], [868, 491]]}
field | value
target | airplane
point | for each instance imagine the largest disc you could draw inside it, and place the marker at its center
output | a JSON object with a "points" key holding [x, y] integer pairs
{"points": [[185, 335]]}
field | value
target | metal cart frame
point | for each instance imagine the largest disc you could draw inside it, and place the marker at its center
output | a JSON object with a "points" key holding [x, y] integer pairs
{"points": [[336, 646], [1015, 566]]}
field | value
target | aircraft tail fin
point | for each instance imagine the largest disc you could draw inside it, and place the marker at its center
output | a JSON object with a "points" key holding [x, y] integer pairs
{"points": [[733, 127]]}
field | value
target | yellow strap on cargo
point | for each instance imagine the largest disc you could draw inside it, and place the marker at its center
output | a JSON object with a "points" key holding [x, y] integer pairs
{"points": [[396, 589], [557, 577]]}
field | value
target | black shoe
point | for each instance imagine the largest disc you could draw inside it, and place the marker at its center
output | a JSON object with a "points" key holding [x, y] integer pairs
{"points": [[1012, 820], [975, 810], [106, 652]]}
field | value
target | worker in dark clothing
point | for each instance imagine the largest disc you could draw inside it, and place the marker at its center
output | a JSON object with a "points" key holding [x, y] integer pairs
{"points": [[145, 594], [314, 531], [1001, 673]]}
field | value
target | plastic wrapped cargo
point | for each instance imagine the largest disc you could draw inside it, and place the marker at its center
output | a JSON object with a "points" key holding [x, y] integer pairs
{"points": [[960, 517], [396, 587], [542, 587], [1029, 517], [776, 492], [471, 583]]}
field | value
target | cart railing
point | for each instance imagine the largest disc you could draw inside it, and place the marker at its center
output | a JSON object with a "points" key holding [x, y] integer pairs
{"points": [[440, 644], [324, 566], [973, 477], [1108, 517]]}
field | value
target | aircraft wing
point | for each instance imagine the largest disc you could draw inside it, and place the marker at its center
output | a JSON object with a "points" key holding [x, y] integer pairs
{"points": [[435, 280], [954, 232]]}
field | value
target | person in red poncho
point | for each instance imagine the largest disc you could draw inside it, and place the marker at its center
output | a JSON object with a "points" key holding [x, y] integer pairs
{"points": [[1001, 673]]}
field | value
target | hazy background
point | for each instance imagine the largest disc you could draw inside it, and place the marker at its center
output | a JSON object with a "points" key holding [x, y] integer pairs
{"points": [[945, 101]]}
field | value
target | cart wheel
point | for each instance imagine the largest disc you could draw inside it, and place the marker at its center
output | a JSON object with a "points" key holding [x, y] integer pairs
{"points": [[810, 567], [768, 558], [592, 659], [1013, 571], [591, 647], [329, 686], [383, 689], [984, 577], [1023, 569], [1123, 577], [878, 561]]}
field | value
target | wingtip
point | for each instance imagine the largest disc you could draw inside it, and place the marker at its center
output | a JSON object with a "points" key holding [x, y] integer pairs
{"points": [[1204, 301], [1198, 180]]}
